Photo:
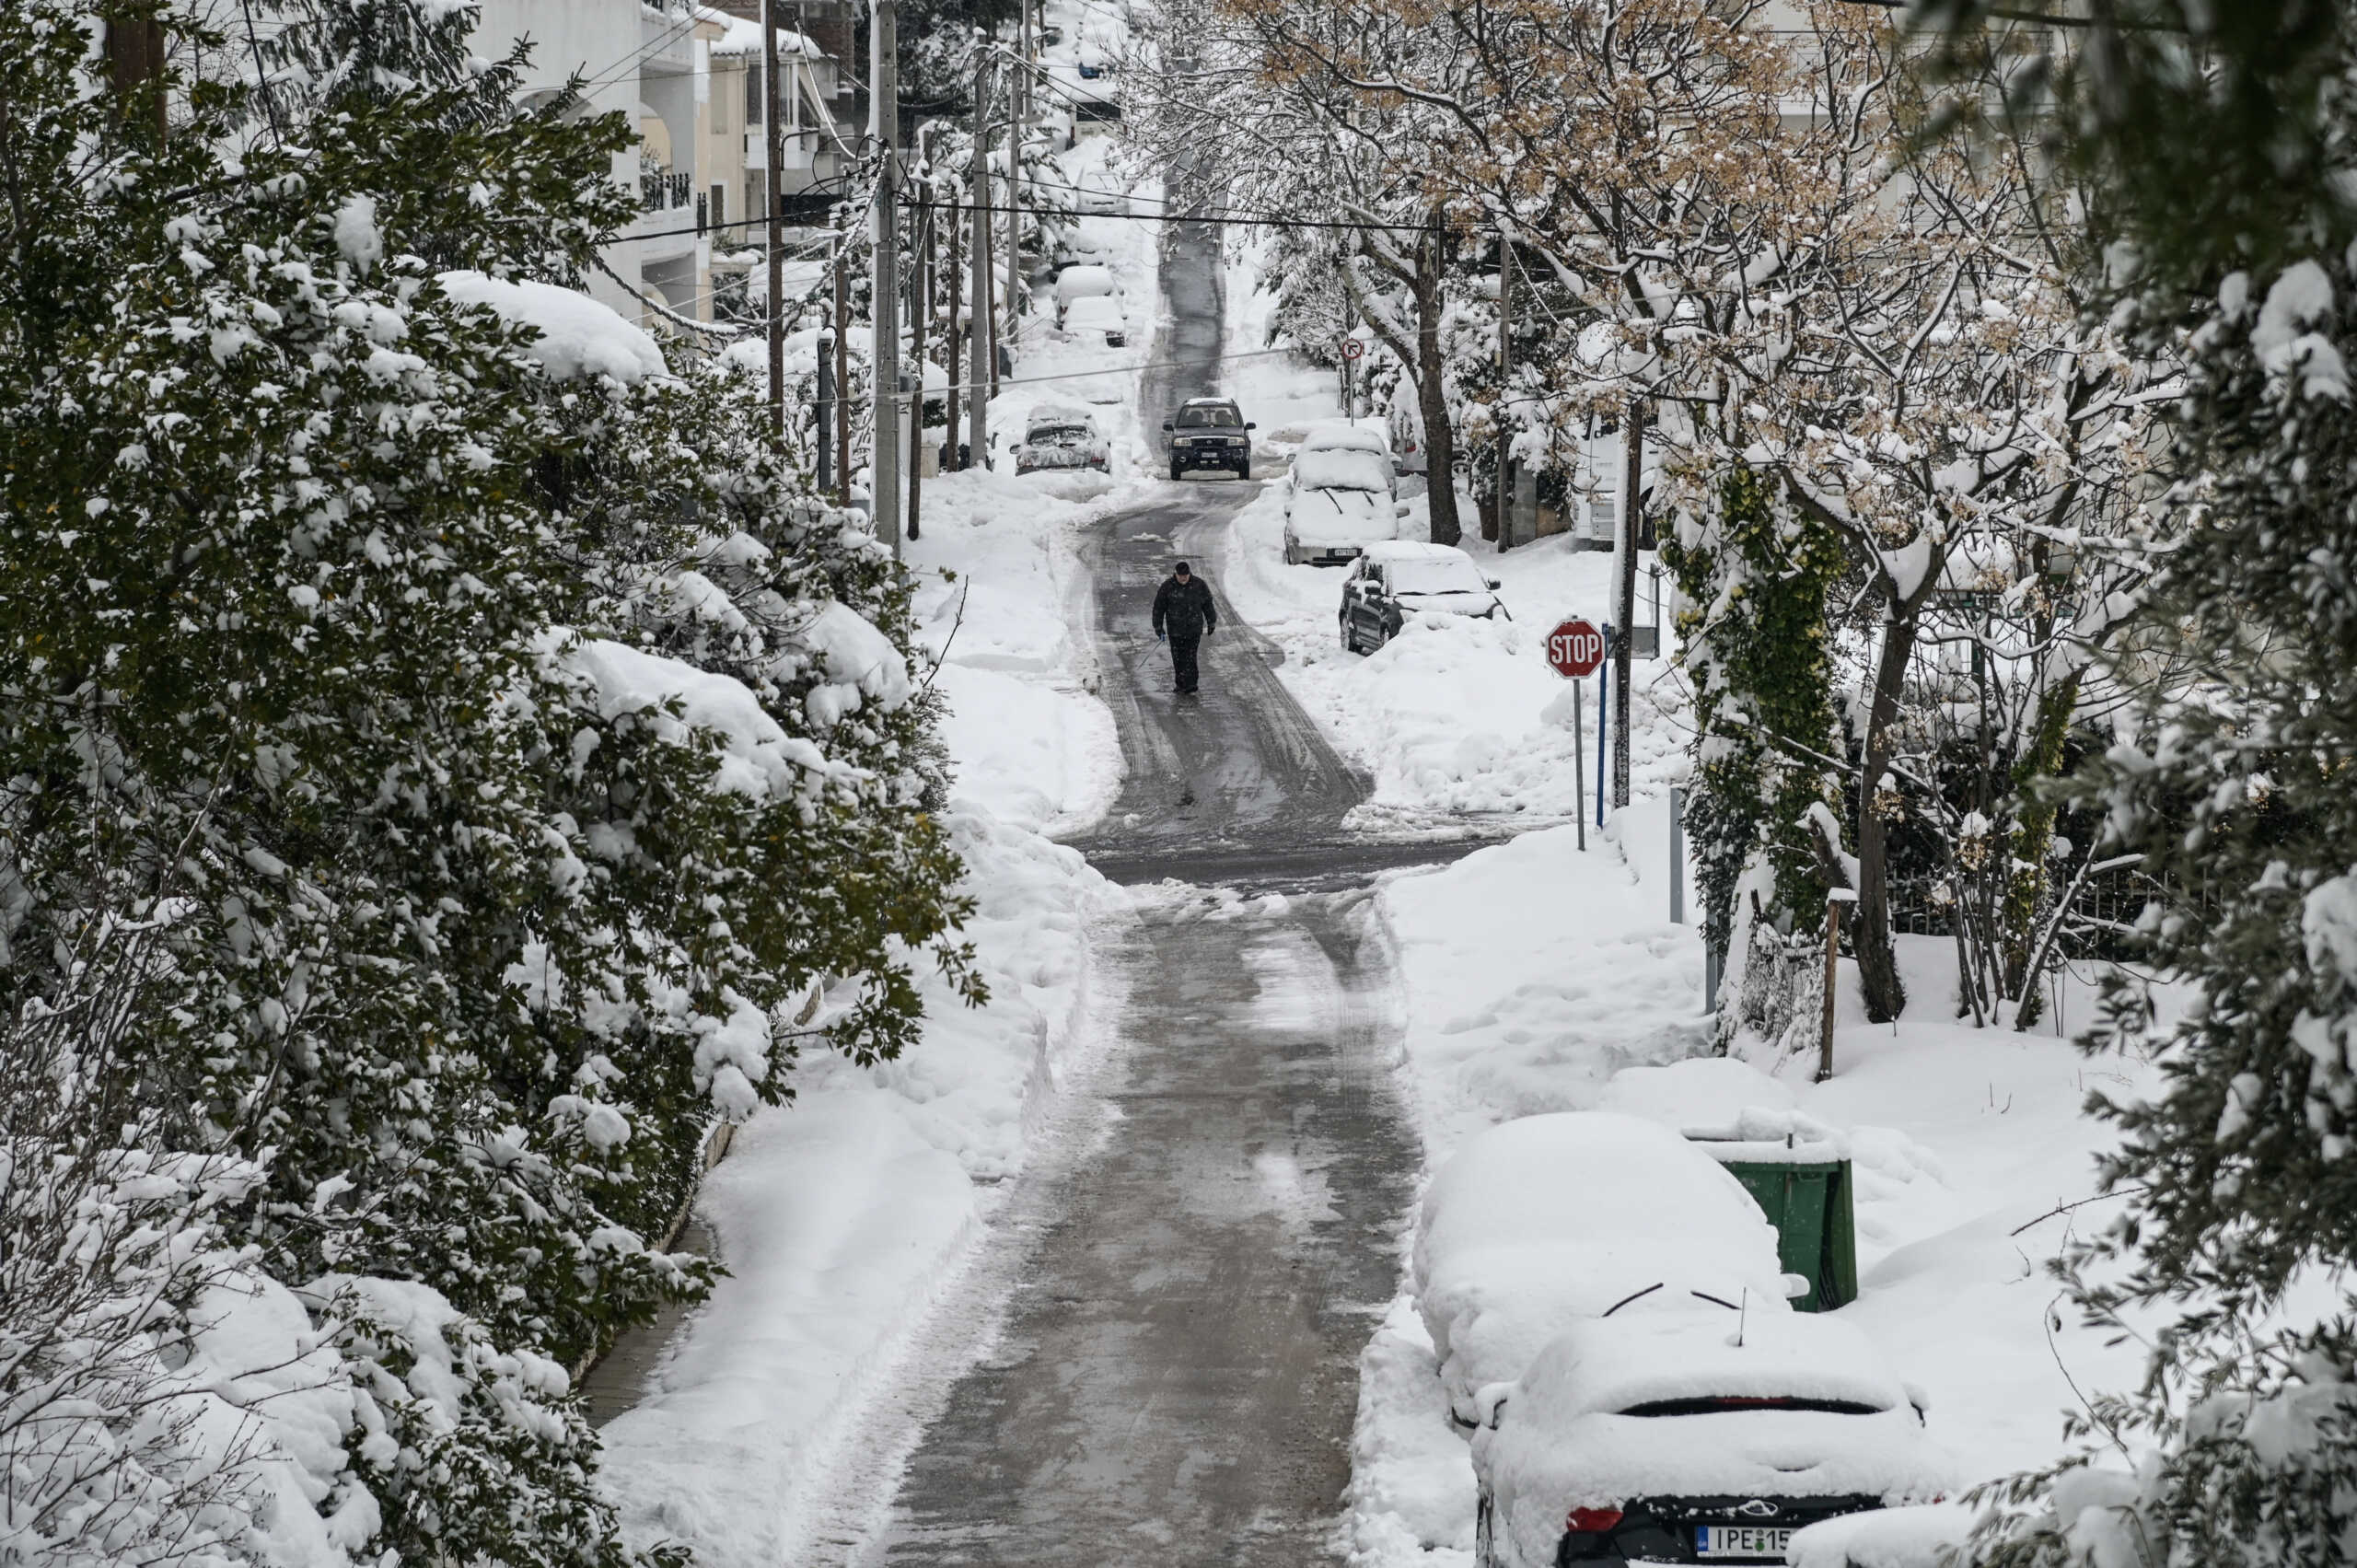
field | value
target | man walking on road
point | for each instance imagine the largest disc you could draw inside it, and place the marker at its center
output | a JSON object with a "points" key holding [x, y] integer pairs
{"points": [[1183, 606]]}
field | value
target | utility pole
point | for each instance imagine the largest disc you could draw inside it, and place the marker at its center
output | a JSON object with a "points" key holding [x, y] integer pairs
{"points": [[918, 322], [1504, 531], [950, 345], [1624, 594], [1018, 111], [842, 365], [135, 49], [979, 358], [884, 351], [773, 154]]}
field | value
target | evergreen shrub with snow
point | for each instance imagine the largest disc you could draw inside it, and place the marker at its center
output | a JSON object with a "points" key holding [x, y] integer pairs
{"points": [[2235, 781], [496, 749]]}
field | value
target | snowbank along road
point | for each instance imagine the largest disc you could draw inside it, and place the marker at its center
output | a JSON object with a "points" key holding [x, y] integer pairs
{"points": [[1177, 1373]]}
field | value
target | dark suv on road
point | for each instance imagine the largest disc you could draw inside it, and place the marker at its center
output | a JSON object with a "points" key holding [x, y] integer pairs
{"points": [[1209, 433]]}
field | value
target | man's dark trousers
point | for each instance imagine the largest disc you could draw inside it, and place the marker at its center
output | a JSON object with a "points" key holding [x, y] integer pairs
{"points": [[1182, 657]]}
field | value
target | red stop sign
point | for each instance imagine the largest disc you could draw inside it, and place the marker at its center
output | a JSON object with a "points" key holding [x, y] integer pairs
{"points": [[1575, 647]]}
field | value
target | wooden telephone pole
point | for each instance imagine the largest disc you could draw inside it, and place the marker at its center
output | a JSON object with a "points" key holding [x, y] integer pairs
{"points": [[884, 351], [773, 154], [1624, 592]]}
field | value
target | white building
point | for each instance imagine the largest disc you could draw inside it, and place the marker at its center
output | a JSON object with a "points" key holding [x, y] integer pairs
{"points": [[686, 76]]}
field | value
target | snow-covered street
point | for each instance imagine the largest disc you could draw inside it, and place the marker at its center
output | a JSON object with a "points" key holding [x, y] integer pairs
{"points": [[1255, 784], [1125, 1261]]}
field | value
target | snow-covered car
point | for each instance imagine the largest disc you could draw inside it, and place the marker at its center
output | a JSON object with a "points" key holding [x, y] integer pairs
{"points": [[1084, 281], [1074, 248], [1548, 1221], [1209, 433], [1062, 437], [1095, 318], [1340, 495], [1390, 582], [1100, 194], [1681, 1437]]}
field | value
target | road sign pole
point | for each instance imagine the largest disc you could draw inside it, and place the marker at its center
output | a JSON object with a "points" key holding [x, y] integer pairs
{"points": [[1676, 856], [1576, 650], [1603, 713], [1579, 780]]}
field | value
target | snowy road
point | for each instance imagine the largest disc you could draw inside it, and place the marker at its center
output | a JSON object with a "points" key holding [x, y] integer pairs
{"points": [[1176, 1375]]}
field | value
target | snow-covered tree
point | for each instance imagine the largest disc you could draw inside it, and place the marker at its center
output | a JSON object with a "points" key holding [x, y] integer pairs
{"points": [[500, 747]]}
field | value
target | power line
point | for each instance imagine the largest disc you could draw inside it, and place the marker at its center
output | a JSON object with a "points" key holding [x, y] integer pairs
{"points": [[1120, 369], [1238, 221]]}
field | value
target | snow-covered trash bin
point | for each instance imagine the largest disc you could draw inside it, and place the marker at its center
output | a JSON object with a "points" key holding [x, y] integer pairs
{"points": [[1930, 1535], [1541, 1223], [1677, 1438]]}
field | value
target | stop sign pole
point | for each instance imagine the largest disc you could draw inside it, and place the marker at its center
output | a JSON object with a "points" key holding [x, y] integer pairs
{"points": [[1576, 649]]}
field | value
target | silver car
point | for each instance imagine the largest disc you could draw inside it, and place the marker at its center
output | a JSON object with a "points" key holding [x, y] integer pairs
{"points": [[1061, 437]]}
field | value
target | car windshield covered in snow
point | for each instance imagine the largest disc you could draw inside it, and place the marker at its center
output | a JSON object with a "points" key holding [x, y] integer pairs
{"points": [[1432, 578], [1688, 1364], [1198, 416], [1060, 435], [1341, 470]]}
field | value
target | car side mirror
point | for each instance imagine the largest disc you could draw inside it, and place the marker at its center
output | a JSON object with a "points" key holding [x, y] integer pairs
{"points": [[1249, 425], [1400, 510], [1165, 424], [1489, 1403], [1492, 582]]}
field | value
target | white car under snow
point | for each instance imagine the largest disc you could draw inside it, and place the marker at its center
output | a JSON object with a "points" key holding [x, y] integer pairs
{"points": [[1340, 496], [1687, 1437], [1545, 1222]]}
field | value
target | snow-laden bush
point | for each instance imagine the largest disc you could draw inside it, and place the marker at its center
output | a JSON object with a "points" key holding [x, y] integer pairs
{"points": [[498, 744]]}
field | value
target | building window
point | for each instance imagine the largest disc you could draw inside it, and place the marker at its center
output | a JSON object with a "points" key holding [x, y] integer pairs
{"points": [[753, 73], [719, 200]]}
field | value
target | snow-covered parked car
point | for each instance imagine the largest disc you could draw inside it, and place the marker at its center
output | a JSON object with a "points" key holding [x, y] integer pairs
{"points": [[1098, 318], [1076, 247], [1679, 1437], [1098, 194], [1209, 433], [1062, 437], [1546, 1222], [1340, 495], [1084, 282], [1390, 582]]}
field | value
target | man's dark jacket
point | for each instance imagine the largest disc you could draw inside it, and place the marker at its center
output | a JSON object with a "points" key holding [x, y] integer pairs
{"points": [[1185, 607]]}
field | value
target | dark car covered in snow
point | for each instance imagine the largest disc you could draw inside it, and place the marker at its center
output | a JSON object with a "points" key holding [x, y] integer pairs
{"points": [[1061, 437], [1209, 433], [1391, 581]]}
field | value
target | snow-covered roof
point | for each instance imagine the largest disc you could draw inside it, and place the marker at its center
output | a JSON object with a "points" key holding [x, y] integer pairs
{"points": [[739, 36], [579, 336]]}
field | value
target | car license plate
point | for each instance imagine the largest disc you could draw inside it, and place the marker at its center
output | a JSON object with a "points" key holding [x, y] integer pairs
{"points": [[1742, 1541]]}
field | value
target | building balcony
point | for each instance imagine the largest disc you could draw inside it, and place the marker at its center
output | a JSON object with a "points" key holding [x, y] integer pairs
{"points": [[663, 189]]}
